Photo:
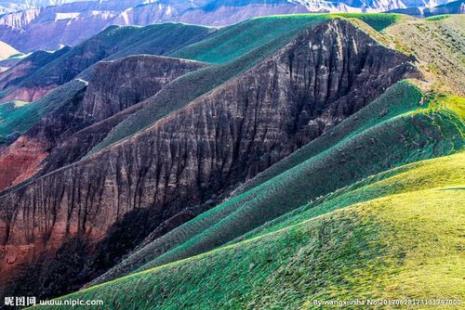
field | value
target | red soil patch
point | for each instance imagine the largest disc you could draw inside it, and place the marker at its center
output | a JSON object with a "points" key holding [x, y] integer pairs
{"points": [[20, 161]]}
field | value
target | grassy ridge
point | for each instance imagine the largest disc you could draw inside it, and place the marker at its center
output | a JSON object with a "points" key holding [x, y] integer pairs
{"points": [[378, 21], [16, 120], [63, 65], [356, 252], [232, 42], [10, 113], [439, 46]]}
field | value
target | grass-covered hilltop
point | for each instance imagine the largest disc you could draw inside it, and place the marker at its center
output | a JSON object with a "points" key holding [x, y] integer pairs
{"points": [[300, 160]]}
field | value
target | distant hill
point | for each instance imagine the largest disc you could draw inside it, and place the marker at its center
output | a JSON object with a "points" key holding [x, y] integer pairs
{"points": [[456, 7], [17, 5]]}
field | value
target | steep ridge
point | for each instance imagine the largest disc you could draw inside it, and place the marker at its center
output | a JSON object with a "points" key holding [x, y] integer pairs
{"points": [[198, 152], [170, 98], [113, 87], [193, 85], [114, 41]]}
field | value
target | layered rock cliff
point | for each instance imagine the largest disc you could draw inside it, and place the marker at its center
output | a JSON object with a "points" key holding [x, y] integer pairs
{"points": [[193, 155]]}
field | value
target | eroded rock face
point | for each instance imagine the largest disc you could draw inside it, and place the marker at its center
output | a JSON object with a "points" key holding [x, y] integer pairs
{"points": [[114, 86], [198, 152]]}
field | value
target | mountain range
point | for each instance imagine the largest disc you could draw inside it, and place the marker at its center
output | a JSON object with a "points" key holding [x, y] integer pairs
{"points": [[50, 28], [279, 162], [17, 5], [456, 7]]}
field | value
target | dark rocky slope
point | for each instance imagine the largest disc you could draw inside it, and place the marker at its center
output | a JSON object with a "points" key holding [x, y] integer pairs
{"points": [[190, 157], [113, 86]]}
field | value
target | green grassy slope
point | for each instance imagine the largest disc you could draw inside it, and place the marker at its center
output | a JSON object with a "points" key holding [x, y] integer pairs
{"points": [[439, 46], [379, 246], [234, 41], [10, 112], [231, 42], [16, 120]]}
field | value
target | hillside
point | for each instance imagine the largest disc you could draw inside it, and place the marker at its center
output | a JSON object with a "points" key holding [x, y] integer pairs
{"points": [[439, 46], [286, 186], [374, 202], [278, 162]]}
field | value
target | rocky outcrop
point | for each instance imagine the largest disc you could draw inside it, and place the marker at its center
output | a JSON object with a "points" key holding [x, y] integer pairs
{"points": [[203, 150], [113, 87], [118, 84]]}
